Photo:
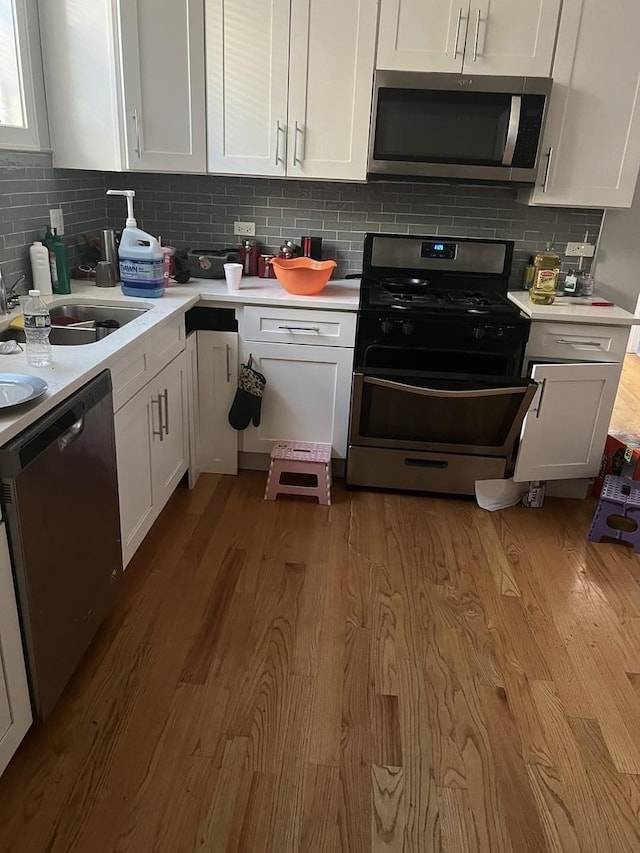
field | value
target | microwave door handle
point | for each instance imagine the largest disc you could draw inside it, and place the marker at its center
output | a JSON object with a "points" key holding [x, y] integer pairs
{"points": [[436, 392], [512, 130]]}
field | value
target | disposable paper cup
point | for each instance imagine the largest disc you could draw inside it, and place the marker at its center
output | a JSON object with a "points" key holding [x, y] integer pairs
{"points": [[233, 274]]}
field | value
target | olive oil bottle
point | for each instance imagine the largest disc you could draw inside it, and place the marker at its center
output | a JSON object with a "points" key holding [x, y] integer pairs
{"points": [[545, 277]]}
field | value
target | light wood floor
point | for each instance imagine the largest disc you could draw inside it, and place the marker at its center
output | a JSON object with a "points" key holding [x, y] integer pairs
{"points": [[392, 673], [626, 413]]}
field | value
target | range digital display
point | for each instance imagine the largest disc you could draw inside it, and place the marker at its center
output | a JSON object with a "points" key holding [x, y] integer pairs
{"points": [[444, 251]]}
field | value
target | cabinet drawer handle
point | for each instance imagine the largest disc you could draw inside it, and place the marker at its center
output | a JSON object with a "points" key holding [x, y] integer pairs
{"points": [[567, 343], [547, 171], [458, 23], [166, 410], [475, 41], [159, 432], [228, 363], [137, 124], [300, 328]]}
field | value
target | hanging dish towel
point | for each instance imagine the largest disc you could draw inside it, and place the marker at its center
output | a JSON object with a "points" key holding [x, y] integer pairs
{"points": [[248, 399]]}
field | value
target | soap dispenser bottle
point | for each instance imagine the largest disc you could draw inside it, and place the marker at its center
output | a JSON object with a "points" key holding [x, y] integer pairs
{"points": [[140, 256]]}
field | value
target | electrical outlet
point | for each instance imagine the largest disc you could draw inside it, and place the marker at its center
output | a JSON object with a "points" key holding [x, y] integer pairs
{"points": [[580, 250], [244, 229], [57, 220]]}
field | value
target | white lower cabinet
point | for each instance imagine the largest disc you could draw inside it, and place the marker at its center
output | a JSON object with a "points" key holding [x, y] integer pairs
{"points": [[152, 451], [216, 440], [306, 398], [15, 706], [565, 430]]}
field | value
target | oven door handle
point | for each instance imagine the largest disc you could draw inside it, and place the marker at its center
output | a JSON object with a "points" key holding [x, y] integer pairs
{"points": [[512, 130], [436, 392]]}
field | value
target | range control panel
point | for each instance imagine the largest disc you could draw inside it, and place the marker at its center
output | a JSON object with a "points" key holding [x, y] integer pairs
{"points": [[444, 251]]}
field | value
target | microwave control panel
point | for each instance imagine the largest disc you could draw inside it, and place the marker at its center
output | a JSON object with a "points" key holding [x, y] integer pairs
{"points": [[443, 251]]}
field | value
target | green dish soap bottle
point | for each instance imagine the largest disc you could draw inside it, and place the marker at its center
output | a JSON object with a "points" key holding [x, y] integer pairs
{"points": [[58, 262]]}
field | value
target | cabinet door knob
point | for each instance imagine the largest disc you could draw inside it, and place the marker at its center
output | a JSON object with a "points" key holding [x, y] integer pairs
{"points": [[228, 363]]}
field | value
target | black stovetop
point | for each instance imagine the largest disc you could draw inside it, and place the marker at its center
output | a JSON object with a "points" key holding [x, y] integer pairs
{"points": [[427, 300], [436, 277]]}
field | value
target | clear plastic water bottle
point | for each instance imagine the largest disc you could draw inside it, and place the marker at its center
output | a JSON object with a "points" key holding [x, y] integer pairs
{"points": [[37, 327]]}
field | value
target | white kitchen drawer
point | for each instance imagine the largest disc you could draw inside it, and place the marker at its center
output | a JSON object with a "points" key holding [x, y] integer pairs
{"points": [[579, 341], [299, 326], [169, 340], [140, 362], [130, 372]]}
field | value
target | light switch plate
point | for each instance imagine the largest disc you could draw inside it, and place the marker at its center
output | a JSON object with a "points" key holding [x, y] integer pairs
{"points": [[56, 219]]}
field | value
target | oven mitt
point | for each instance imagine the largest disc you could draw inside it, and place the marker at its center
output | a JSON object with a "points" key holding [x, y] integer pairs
{"points": [[248, 399]]}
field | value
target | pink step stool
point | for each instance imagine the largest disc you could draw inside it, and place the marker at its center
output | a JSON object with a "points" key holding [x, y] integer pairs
{"points": [[300, 457], [619, 504]]}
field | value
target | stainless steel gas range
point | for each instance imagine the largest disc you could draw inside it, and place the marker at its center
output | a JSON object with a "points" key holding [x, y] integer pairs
{"points": [[437, 399]]}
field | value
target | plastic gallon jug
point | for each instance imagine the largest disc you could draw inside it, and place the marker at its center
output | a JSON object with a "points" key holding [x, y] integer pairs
{"points": [[141, 271], [140, 255]]}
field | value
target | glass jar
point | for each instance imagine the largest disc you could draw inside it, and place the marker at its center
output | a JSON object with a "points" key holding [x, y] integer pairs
{"points": [[586, 284]]}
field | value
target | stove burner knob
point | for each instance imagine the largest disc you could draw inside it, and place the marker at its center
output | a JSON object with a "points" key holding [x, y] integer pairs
{"points": [[479, 332], [386, 327], [408, 328]]}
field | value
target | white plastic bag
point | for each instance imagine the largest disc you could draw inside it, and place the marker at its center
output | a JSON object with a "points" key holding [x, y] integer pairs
{"points": [[499, 494]]}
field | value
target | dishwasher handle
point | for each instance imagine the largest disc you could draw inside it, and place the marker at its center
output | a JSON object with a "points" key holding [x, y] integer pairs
{"points": [[69, 436]]}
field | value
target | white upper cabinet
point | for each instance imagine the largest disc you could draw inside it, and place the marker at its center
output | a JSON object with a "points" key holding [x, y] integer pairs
{"points": [[592, 137], [247, 72], [163, 79], [330, 83], [509, 37], [422, 35], [289, 86], [125, 84]]}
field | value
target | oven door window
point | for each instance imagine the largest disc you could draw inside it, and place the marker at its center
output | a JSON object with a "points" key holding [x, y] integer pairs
{"points": [[458, 413], [425, 126]]}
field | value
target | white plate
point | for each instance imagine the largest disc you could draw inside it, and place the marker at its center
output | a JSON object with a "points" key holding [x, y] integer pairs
{"points": [[18, 388]]}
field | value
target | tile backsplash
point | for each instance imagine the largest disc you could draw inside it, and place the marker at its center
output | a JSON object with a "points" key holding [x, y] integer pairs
{"points": [[191, 211], [199, 211], [29, 187]]}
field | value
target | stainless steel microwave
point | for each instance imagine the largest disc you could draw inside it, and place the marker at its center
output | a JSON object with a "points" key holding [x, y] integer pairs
{"points": [[428, 125]]}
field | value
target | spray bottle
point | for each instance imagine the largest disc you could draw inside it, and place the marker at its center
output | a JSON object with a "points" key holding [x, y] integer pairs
{"points": [[140, 256]]}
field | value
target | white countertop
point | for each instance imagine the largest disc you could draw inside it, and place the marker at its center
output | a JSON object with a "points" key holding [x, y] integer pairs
{"points": [[74, 366], [571, 310]]}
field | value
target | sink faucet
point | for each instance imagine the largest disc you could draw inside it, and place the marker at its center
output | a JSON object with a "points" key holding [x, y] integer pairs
{"points": [[8, 297]]}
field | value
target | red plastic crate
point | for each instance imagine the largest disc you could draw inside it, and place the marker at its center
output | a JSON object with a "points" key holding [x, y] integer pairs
{"points": [[621, 457]]}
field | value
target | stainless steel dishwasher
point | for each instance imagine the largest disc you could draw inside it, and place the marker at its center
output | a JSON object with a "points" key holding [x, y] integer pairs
{"points": [[60, 500]]}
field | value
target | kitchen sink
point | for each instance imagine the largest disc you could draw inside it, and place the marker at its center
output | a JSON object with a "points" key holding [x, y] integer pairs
{"points": [[69, 336], [60, 336], [121, 314]]}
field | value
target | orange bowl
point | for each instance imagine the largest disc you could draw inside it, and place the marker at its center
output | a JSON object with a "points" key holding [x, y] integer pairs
{"points": [[303, 276]]}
